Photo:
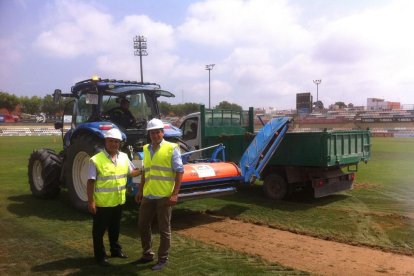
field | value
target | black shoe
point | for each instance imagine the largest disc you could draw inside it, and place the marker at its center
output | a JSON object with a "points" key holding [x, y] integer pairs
{"points": [[160, 265], [119, 254], [103, 262], [142, 260]]}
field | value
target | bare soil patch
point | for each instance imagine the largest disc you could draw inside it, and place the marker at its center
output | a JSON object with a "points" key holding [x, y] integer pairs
{"points": [[293, 250]]}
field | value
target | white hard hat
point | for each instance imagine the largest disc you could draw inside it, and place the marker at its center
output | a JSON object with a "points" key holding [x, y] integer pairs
{"points": [[155, 124], [114, 133]]}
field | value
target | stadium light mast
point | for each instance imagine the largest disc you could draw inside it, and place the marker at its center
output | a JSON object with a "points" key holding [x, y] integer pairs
{"points": [[317, 82], [209, 67], [140, 45]]}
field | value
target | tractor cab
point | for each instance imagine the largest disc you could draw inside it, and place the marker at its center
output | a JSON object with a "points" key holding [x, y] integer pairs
{"points": [[129, 105]]}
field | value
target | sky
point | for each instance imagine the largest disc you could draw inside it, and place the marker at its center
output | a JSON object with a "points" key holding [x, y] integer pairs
{"points": [[264, 51]]}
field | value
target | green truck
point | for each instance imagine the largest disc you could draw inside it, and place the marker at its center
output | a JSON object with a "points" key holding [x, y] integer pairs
{"points": [[323, 162]]}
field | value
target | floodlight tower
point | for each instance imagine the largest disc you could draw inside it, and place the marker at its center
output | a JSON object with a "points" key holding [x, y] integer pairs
{"points": [[209, 67], [140, 45], [317, 82]]}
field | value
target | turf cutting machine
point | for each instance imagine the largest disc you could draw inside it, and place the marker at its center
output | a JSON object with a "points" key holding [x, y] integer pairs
{"points": [[215, 177]]}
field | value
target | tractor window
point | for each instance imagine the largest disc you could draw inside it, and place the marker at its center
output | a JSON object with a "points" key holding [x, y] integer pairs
{"points": [[140, 107], [84, 108]]}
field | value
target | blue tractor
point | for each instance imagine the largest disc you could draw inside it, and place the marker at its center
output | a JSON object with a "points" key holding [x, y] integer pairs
{"points": [[97, 105]]}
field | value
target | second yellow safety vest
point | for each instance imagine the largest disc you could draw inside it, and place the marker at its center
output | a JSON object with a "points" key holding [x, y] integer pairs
{"points": [[159, 173]]}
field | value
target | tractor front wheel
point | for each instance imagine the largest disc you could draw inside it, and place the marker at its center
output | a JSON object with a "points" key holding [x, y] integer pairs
{"points": [[44, 170], [77, 168]]}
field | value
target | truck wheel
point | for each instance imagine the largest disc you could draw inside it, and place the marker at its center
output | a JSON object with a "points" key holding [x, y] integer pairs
{"points": [[77, 168], [275, 187], [44, 170]]}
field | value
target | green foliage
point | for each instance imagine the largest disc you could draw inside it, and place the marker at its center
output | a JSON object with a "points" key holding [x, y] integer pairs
{"points": [[340, 104], [229, 106], [318, 105], [167, 109], [8, 101], [31, 105], [49, 106]]}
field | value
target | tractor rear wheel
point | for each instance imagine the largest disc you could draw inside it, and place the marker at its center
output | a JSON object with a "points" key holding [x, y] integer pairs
{"points": [[44, 170], [275, 186], [77, 168]]}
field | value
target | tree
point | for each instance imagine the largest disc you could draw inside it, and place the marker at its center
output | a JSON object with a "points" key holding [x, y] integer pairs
{"points": [[340, 104], [229, 106], [8, 101], [49, 106], [165, 108], [318, 105], [30, 105], [186, 108], [350, 105]]}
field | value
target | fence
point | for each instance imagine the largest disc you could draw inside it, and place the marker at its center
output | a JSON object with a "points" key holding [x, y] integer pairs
{"points": [[29, 131]]}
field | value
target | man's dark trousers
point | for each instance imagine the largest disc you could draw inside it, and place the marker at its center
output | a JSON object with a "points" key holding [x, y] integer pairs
{"points": [[106, 218]]}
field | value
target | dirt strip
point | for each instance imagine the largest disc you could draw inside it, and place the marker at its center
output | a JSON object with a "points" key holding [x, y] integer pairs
{"points": [[298, 251]]}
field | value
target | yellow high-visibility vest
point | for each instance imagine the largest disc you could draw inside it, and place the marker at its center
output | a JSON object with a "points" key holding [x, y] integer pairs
{"points": [[110, 185], [159, 173]]}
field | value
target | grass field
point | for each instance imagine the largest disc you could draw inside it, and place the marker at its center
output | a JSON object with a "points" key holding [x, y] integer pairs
{"points": [[49, 237]]}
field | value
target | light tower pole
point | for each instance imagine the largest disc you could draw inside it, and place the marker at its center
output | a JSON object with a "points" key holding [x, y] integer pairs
{"points": [[317, 82], [140, 45], [209, 67]]}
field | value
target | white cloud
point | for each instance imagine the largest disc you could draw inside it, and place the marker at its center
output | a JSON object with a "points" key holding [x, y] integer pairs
{"points": [[265, 51]]}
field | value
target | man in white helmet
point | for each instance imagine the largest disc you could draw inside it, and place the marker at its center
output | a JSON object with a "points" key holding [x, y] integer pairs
{"points": [[158, 192], [106, 187]]}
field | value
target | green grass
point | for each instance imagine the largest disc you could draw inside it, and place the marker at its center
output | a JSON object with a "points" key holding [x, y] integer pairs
{"points": [[48, 237]]}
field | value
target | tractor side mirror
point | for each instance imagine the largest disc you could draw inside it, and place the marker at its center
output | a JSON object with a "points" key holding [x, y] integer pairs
{"points": [[57, 95]]}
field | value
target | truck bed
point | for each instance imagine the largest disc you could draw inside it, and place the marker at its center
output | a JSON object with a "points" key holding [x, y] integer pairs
{"points": [[327, 148], [323, 149]]}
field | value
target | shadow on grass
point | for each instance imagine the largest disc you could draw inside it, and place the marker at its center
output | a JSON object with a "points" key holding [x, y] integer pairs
{"points": [[184, 218], [57, 209], [87, 266], [254, 195]]}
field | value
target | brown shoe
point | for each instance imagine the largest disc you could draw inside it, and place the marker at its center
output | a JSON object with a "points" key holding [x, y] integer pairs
{"points": [[142, 260], [160, 265]]}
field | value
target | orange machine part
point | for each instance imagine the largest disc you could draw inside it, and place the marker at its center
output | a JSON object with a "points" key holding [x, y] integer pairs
{"points": [[202, 171]]}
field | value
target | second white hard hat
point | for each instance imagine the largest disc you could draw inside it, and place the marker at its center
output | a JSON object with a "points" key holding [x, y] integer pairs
{"points": [[114, 133], [155, 124]]}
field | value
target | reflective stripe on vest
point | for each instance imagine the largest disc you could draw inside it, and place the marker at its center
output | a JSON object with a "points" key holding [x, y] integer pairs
{"points": [[111, 180], [159, 174], [111, 177], [115, 189]]}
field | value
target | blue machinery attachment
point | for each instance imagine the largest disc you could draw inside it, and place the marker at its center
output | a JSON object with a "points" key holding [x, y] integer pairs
{"points": [[262, 148]]}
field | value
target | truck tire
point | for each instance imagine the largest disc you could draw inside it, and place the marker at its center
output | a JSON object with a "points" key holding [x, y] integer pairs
{"points": [[275, 186], [77, 168], [43, 171]]}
